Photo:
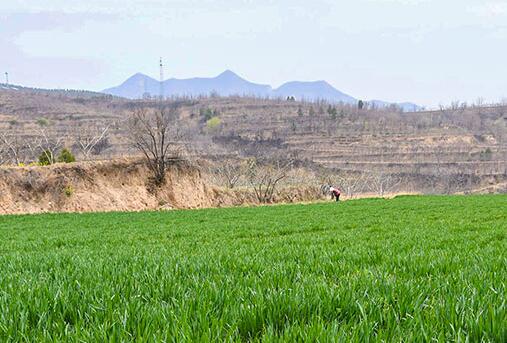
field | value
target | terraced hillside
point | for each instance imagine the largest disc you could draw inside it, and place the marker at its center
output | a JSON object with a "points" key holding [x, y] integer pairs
{"points": [[454, 149], [446, 150]]}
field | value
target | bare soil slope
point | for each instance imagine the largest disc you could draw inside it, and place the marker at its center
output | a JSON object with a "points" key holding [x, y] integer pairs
{"points": [[119, 185], [99, 186]]}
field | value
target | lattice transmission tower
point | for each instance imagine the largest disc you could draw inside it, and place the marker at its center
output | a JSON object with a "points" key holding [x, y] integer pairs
{"points": [[161, 80]]}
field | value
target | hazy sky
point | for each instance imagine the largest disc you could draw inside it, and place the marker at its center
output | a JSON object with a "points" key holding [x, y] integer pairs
{"points": [[426, 51]]}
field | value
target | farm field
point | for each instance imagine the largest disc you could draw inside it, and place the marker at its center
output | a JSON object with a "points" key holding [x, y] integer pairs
{"points": [[413, 269]]}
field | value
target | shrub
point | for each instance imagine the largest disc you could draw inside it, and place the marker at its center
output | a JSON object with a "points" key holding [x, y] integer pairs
{"points": [[213, 123], [68, 191], [208, 113], [66, 156], [300, 111], [46, 158], [42, 122], [486, 154]]}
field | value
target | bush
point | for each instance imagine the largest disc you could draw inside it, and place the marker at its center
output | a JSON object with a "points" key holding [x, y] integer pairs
{"points": [[300, 111], [208, 113], [42, 122], [486, 154], [213, 123], [68, 191], [46, 158], [66, 157]]}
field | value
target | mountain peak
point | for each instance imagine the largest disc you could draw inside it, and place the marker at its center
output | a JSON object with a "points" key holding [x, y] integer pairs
{"points": [[228, 74], [138, 76], [322, 83], [313, 90]]}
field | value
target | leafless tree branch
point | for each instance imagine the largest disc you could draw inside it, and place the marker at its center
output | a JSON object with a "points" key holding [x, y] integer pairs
{"points": [[153, 132]]}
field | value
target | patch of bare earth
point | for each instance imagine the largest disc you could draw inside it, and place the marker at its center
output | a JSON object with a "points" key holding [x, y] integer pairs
{"points": [[119, 185]]}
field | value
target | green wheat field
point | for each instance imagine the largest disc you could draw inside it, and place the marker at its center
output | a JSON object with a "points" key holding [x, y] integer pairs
{"points": [[411, 269]]}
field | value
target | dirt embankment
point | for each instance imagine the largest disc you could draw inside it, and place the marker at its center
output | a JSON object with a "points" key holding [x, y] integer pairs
{"points": [[119, 185]]}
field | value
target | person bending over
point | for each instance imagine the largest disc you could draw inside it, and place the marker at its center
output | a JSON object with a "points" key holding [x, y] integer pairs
{"points": [[335, 193]]}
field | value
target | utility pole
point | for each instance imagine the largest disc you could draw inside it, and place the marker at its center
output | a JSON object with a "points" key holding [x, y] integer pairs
{"points": [[7, 78], [161, 80]]}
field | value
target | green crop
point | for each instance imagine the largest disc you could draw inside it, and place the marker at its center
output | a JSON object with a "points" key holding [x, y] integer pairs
{"points": [[412, 269]]}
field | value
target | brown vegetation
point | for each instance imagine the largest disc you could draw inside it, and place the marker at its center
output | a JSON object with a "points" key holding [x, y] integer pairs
{"points": [[459, 148]]}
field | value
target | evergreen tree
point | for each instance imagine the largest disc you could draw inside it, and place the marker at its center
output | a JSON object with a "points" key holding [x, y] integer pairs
{"points": [[360, 104], [332, 112]]}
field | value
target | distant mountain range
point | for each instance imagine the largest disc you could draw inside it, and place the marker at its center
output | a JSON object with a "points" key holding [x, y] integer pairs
{"points": [[228, 83]]}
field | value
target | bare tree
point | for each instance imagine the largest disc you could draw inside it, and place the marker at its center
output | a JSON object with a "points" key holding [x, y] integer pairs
{"points": [[153, 132], [229, 173], [351, 184], [4, 153], [479, 102], [382, 182], [101, 146], [91, 139], [48, 143], [264, 178], [11, 148]]}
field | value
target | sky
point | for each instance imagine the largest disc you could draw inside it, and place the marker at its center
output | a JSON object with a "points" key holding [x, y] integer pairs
{"points": [[426, 51]]}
